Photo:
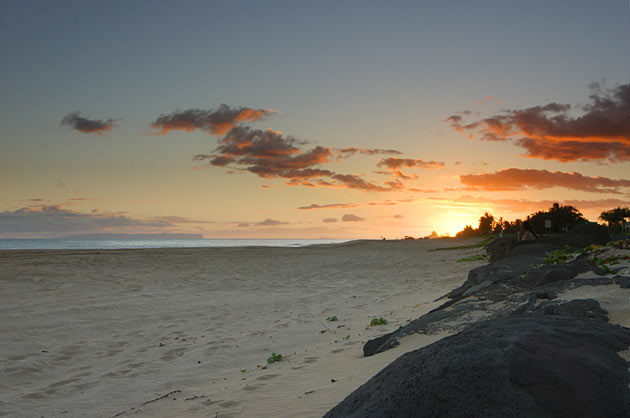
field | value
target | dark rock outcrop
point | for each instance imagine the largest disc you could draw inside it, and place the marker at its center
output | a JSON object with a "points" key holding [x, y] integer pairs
{"points": [[550, 273], [582, 236], [577, 308], [518, 261], [516, 273], [525, 366]]}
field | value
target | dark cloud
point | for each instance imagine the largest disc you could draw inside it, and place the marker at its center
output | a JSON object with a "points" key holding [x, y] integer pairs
{"points": [[270, 222], [394, 163], [270, 154], [181, 220], [330, 220], [346, 152], [328, 206], [87, 126], [352, 181], [214, 121], [519, 179], [553, 131], [55, 219], [352, 218]]}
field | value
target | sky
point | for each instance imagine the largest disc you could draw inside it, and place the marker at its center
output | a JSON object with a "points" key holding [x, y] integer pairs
{"points": [[295, 119]]}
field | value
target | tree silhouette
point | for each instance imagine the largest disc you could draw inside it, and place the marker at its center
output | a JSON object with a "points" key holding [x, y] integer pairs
{"points": [[486, 223], [562, 218], [616, 218]]}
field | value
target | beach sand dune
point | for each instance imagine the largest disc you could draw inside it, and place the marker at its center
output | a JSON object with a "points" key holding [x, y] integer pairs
{"points": [[186, 332]]}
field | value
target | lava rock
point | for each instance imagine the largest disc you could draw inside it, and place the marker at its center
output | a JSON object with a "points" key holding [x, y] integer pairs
{"points": [[525, 366], [583, 235]]}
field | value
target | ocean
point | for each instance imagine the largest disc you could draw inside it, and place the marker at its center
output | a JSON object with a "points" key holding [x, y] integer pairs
{"points": [[113, 244]]}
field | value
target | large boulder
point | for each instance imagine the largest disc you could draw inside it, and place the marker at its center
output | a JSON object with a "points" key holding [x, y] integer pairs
{"points": [[517, 262], [525, 366]]}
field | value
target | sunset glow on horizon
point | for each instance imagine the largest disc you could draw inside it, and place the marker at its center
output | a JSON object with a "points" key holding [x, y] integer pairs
{"points": [[293, 120]]}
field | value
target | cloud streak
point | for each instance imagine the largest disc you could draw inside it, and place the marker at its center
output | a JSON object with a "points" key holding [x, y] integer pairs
{"points": [[213, 121], [394, 163], [328, 206], [75, 121], [528, 206], [554, 131], [347, 152], [520, 179], [351, 218]]}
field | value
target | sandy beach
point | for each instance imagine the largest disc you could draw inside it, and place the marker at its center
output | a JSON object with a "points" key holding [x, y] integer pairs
{"points": [[110, 333]]}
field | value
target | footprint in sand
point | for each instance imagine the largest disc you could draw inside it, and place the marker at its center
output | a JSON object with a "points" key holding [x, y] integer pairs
{"points": [[339, 350], [267, 377], [310, 360]]}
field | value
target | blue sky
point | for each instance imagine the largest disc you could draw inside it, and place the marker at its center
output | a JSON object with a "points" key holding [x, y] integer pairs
{"points": [[339, 74]]}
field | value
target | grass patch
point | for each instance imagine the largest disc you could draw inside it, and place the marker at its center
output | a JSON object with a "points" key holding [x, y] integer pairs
{"points": [[604, 262], [332, 318], [559, 256], [486, 241], [378, 321]]}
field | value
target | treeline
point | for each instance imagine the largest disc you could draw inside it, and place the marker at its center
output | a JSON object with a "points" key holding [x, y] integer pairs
{"points": [[562, 218]]}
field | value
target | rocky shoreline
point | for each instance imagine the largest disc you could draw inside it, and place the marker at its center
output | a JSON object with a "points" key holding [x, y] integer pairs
{"points": [[518, 351]]}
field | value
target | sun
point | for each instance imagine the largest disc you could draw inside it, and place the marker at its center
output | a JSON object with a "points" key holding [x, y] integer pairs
{"points": [[451, 222]]}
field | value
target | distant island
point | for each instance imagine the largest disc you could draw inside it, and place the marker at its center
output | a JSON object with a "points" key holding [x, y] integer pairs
{"points": [[132, 236]]}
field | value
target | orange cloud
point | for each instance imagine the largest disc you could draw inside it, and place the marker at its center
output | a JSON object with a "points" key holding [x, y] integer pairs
{"points": [[552, 131], [413, 189], [524, 206], [519, 179], [565, 151]]}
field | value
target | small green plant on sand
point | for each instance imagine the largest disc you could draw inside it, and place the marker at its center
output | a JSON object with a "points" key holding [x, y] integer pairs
{"points": [[243, 370], [332, 318], [378, 321], [559, 256], [274, 357], [603, 263]]}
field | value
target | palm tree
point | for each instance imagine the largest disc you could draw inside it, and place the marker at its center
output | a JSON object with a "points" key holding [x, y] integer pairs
{"points": [[616, 218]]}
